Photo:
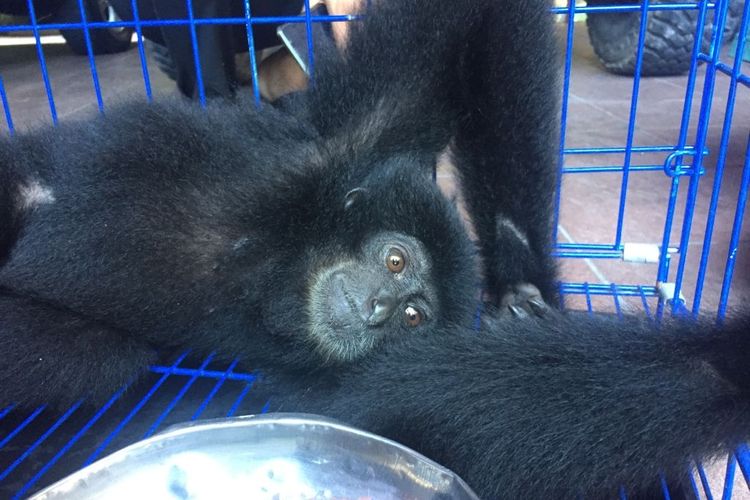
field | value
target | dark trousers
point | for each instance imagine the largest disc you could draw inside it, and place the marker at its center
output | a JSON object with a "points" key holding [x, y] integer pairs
{"points": [[217, 43]]}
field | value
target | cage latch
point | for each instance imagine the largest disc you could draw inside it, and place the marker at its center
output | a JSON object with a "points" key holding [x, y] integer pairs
{"points": [[666, 292], [643, 253], [673, 166]]}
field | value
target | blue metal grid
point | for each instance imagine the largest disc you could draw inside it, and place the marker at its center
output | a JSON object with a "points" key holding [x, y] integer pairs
{"points": [[682, 159], [39, 446], [51, 445]]}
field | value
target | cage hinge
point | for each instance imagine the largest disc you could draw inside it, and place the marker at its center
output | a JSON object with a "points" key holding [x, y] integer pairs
{"points": [[666, 292]]}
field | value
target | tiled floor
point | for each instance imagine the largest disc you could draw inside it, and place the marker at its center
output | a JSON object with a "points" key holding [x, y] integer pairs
{"points": [[598, 117], [599, 107]]}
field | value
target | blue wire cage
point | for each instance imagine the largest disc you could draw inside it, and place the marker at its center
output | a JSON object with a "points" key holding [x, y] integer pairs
{"points": [[660, 266]]}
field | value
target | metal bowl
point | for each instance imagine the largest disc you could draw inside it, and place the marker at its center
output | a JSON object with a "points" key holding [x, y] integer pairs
{"points": [[274, 456]]}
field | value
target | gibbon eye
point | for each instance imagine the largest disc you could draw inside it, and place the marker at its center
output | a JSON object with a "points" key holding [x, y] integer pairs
{"points": [[412, 316], [395, 261]]}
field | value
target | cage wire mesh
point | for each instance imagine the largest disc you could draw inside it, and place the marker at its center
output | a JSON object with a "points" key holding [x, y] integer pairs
{"points": [[669, 204]]}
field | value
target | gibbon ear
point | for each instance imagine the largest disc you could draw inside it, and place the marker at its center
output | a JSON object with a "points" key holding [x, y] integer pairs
{"points": [[354, 196]]}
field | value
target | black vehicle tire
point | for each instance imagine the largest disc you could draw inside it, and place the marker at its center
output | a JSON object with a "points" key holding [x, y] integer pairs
{"points": [[103, 41], [670, 35]]}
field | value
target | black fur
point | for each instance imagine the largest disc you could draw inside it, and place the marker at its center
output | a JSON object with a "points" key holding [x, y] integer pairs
{"points": [[210, 247], [178, 228], [481, 73], [10, 216], [551, 408]]}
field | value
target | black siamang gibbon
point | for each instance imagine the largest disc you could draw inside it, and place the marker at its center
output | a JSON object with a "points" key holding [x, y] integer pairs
{"points": [[310, 240]]}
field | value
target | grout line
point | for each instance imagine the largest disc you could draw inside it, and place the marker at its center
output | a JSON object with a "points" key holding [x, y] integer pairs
{"points": [[594, 269], [625, 304]]}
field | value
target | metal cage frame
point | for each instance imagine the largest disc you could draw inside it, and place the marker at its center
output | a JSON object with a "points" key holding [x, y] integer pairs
{"points": [[37, 447]]}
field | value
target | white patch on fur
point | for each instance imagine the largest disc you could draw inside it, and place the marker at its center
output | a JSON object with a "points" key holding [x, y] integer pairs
{"points": [[508, 224], [34, 194]]}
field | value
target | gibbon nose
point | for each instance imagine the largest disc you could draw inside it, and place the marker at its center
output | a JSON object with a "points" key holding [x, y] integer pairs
{"points": [[380, 308]]}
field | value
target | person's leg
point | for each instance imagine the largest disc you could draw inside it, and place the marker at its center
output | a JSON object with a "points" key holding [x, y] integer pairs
{"points": [[215, 47]]}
